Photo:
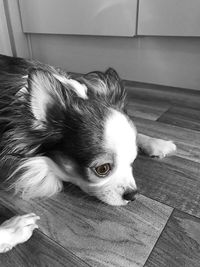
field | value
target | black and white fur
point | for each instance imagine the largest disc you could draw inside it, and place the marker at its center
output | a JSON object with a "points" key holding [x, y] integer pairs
{"points": [[57, 127]]}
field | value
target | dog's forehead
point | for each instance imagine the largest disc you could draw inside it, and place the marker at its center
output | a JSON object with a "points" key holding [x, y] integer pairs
{"points": [[120, 135]]}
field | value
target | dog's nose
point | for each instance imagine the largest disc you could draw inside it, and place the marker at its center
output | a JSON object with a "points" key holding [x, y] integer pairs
{"points": [[130, 194]]}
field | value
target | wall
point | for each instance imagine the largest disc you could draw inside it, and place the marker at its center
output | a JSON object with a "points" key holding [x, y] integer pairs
{"points": [[5, 45], [173, 61], [13, 42]]}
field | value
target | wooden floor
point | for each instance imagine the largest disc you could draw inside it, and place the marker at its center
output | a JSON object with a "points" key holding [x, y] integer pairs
{"points": [[161, 228]]}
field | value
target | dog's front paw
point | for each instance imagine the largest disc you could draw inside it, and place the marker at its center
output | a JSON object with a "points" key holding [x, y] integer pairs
{"points": [[17, 230], [160, 148], [5, 248]]}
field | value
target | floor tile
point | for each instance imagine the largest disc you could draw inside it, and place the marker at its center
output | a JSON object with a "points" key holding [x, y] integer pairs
{"points": [[173, 181], [183, 117], [146, 109], [39, 250], [187, 141], [99, 234], [179, 244], [163, 94]]}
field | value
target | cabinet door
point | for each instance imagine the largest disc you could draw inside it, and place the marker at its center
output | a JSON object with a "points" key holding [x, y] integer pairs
{"points": [[169, 17], [83, 17]]}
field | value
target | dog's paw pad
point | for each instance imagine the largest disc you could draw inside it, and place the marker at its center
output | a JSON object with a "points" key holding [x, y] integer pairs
{"points": [[20, 228], [161, 148]]}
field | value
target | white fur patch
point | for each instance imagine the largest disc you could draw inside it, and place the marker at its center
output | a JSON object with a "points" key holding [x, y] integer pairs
{"points": [[21, 93], [40, 98], [45, 90], [120, 136], [40, 177], [79, 89], [120, 139], [39, 107], [17, 230]]}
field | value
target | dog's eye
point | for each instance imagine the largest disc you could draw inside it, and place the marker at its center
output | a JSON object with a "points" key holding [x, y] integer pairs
{"points": [[103, 170]]}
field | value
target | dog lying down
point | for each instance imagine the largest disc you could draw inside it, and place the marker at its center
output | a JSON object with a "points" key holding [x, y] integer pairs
{"points": [[57, 127]]}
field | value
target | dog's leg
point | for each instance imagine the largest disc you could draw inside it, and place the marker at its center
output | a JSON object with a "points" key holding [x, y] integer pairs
{"points": [[155, 147], [17, 230]]}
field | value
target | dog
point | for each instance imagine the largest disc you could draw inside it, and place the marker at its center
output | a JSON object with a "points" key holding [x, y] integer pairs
{"points": [[59, 127]]}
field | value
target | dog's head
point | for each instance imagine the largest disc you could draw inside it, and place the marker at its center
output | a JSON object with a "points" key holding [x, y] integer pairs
{"points": [[86, 131]]}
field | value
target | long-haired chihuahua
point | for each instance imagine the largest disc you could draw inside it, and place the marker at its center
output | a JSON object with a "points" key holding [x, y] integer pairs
{"points": [[57, 127]]}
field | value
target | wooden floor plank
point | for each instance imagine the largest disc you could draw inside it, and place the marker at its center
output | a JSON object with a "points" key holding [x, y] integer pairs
{"points": [[37, 251], [99, 234], [146, 109], [179, 244], [163, 94], [79, 230], [174, 181], [187, 141], [182, 117]]}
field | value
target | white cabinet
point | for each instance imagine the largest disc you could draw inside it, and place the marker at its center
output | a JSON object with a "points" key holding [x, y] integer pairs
{"points": [[79, 17], [169, 17]]}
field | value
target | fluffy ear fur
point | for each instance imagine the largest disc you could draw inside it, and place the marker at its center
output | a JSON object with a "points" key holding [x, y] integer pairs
{"points": [[107, 85], [45, 91], [52, 92], [117, 91]]}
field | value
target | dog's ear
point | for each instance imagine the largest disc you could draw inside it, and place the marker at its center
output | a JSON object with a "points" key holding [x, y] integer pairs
{"points": [[52, 91], [113, 75], [45, 91], [107, 85], [116, 89]]}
